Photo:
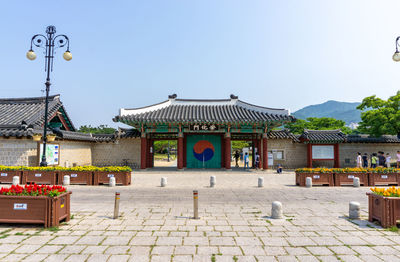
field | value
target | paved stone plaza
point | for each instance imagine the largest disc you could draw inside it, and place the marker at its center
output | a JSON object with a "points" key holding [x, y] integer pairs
{"points": [[155, 223]]}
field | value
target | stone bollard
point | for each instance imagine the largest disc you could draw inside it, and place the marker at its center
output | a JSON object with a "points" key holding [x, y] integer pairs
{"points": [[213, 181], [354, 210], [356, 182], [66, 181], [276, 212], [112, 181], [163, 182], [260, 182], [308, 182], [15, 180]]}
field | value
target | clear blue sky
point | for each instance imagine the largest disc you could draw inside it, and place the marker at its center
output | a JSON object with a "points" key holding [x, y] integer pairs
{"points": [[285, 54]]}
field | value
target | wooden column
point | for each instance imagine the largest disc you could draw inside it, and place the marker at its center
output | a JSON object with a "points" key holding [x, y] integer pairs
{"points": [[180, 150], [143, 151], [336, 155], [259, 151], [309, 155], [227, 150], [264, 151]]}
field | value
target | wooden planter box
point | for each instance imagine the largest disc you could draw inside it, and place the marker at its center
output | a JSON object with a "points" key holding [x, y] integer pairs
{"points": [[76, 177], [39, 177], [123, 178], [386, 210], [342, 179], [7, 176], [317, 179], [377, 179], [35, 209]]}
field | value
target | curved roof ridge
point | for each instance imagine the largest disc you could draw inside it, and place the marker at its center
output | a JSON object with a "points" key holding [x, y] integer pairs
{"points": [[28, 99]]}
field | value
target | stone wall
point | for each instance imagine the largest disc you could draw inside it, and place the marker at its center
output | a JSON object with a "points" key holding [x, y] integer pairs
{"points": [[17, 152], [75, 153], [294, 154], [117, 153], [348, 151]]}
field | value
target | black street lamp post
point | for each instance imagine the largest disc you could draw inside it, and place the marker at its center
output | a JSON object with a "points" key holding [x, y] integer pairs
{"points": [[49, 43]]}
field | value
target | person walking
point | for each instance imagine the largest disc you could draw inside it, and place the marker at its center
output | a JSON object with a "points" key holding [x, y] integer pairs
{"points": [[236, 156], [257, 161], [359, 160], [374, 160], [246, 160], [365, 160], [388, 159]]}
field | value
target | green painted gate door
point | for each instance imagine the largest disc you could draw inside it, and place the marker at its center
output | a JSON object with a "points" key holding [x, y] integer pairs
{"points": [[203, 151]]}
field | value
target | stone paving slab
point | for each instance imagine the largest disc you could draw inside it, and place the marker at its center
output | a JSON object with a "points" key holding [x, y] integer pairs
{"points": [[235, 224]]}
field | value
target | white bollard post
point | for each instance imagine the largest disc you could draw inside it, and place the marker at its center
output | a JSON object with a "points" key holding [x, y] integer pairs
{"points": [[163, 181], [354, 210], [112, 181], [66, 181], [260, 182], [15, 180], [308, 182], [356, 182], [276, 212], [213, 181]]}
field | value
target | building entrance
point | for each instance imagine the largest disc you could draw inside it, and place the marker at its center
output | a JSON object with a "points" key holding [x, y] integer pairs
{"points": [[203, 151]]}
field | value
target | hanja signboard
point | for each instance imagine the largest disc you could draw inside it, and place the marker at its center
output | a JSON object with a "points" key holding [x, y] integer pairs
{"points": [[322, 152]]}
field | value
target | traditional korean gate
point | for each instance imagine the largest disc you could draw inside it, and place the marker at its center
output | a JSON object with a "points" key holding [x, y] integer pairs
{"points": [[203, 151]]}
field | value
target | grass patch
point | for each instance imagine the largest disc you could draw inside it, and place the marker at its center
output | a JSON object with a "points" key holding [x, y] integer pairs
{"points": [[72, 216], [53, 229], [4, 236], [235, 258], [19, 234], [289, 219], [393, 229], [213, 258], [5, 231]]}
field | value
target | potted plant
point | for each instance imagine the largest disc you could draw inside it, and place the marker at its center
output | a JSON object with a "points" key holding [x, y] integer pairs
{"points": [[78, 175], [39, 175], [35, 204], [384, 176], [122, 175], [384, 206], [51, 137], [37, 137], [319, 176], [8, 172], [345, 176]]}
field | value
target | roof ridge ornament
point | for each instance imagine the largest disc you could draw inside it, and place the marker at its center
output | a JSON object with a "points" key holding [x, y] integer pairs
{"points": [[234, 97], [173, 96]]}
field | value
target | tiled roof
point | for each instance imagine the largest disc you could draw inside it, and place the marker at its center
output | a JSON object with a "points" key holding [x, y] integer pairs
{"points": [[200, 111], [368, 139], [282, 134], [14, 111], [322, 136], [20, 131]]}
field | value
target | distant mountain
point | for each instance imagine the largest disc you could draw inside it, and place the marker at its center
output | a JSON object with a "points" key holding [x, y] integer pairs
{"points": [[339, 110]]}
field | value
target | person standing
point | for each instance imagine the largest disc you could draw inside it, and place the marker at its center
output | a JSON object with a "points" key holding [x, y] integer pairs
{"points": [[279, 169], [381, 159], [365, 160], [374, 160], [236, 156], [359, 160], [388, 159], [398, 159], [246, 160]]}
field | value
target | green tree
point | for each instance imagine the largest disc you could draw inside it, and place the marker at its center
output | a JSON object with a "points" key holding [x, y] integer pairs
{"points": [[317, 123], [382, 116], [101, 129], [161, 146]]}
